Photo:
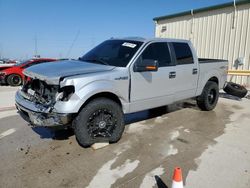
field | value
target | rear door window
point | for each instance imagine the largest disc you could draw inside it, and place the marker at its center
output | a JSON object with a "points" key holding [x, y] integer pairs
{"points": [[183, 53]]}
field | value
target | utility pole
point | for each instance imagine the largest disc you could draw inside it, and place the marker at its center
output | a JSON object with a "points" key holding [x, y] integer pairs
{"points": [[1, 51]]}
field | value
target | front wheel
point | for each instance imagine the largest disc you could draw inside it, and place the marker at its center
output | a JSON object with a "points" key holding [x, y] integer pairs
{"points": [[14, 80], [101, 120], [209, 97]]}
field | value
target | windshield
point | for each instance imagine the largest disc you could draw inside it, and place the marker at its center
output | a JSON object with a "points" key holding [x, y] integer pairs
{"points": [[112, 52], [22, 62]]}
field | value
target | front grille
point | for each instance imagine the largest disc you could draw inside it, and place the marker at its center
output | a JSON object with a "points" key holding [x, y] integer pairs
{"points": [[40, 92]]}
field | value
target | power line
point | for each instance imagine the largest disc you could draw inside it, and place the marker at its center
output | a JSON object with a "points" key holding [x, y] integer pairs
{"points": [[76, 36]]}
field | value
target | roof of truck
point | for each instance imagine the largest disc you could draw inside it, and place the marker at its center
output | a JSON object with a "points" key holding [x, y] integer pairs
{"points": [[140, 39]]}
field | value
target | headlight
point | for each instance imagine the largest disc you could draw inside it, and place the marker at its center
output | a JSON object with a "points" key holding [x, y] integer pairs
{"points": [[65, 93]]}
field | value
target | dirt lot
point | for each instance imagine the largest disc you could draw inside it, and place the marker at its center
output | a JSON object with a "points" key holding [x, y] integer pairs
{"points": [[212, 148]]}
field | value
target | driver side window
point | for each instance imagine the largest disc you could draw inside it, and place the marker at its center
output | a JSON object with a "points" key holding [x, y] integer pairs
{"points": [[159, 52]]}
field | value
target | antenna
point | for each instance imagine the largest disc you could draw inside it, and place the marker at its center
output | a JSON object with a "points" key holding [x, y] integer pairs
{"points": [[73, 42], [35, 45]]}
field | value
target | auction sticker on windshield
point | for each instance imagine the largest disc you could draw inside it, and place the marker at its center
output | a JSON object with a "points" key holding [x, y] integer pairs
{"points": [[128, 44]]}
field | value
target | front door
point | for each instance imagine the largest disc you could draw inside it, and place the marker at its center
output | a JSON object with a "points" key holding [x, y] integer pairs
{"points": [[153, 89]]}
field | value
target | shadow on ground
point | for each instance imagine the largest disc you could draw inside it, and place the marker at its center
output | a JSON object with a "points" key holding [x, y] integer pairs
{"points": [[53, 133], [160, 183], [156, 112], [227, 96], [64, 134]]}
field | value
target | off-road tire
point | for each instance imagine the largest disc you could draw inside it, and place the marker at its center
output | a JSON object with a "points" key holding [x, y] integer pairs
{"points": [[80, 123], [209, 96], [235, 90], [14, 80]]}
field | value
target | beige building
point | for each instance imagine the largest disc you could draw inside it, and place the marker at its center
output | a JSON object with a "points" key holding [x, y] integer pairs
{"points": [[220, 32]]}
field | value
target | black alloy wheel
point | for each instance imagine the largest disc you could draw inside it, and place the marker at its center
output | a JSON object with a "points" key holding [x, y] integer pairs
{"points": [[101, 123], [101, 120], [209, 96], [212, 96]]}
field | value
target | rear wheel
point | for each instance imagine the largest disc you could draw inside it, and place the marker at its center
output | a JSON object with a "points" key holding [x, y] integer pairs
{"points": [[101, 120], [209, 97], [14, 80]]}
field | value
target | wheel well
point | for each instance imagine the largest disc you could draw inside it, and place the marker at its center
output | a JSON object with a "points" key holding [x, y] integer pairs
{"points": [[13, 74], [104, 95], [214, 79]]}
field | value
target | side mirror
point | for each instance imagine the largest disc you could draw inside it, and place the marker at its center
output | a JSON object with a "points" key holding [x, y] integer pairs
{"points": [[146, 65]]}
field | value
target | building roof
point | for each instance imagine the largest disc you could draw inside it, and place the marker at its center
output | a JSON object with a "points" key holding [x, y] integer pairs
{"points": [[204, 9]]}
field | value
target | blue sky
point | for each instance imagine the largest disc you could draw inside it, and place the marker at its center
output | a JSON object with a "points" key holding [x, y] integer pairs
{"points": [[57, 23]]}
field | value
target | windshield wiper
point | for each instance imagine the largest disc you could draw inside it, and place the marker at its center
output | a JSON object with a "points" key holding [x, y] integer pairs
{"points": [[102, 61], [99, 60]]}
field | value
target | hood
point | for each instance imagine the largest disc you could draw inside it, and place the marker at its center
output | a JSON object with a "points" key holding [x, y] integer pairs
{"points": [[5, 66], [51, 72]]}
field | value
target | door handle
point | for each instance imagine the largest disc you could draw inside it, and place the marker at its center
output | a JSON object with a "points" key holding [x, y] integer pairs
{"points": [[172, 75], [195, 71]]}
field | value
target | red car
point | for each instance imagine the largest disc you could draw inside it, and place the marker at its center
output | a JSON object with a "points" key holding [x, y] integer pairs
{"points": [[14, 75], [5, 66]]}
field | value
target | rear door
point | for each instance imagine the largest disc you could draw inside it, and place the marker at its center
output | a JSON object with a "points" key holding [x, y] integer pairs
{"points": [[186, 70], [152, 89]]}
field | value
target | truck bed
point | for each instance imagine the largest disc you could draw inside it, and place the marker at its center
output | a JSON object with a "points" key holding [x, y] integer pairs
{"points": [[212, 67], [206, 60]]}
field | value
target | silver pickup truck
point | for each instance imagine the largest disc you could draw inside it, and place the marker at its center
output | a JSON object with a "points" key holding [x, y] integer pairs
{"points": [[117, 77]]}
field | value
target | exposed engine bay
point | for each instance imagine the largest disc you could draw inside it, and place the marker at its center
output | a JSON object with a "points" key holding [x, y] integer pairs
{"points": [[41, 99], [40, 92]]}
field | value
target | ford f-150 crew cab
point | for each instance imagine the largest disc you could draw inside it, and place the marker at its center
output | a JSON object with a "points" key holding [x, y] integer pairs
{"points": [[117, 77]]}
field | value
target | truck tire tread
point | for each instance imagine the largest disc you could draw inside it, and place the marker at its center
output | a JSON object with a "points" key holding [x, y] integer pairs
{"points": [[80, 122], [203, 101], [10, 80], [235, 90]]}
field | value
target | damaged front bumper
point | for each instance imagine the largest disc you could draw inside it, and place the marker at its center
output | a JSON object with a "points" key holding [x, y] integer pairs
{"points": [[38, 115]]}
